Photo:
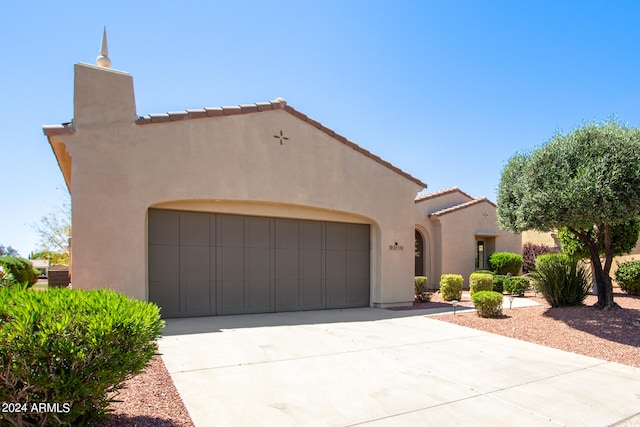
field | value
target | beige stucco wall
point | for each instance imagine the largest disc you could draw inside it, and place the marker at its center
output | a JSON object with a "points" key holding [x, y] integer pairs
{"points": [[453, 238], [218, 164]]}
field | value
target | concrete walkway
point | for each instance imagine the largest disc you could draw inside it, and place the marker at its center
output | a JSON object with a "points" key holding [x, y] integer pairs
{"points": [[378, 367]]}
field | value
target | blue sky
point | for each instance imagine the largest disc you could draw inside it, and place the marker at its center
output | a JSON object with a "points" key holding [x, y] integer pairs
{"points": [[445, 90]]}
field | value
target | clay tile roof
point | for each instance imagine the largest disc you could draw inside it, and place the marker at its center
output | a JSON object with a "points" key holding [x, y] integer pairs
{"points": [[267, 106], [461, 206], [443, 192]]}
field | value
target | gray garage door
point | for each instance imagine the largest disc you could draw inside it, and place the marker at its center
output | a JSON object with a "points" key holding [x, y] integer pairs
{"points": [[204, 264]]}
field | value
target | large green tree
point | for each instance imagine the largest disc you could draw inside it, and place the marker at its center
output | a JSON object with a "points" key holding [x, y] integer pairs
{"points": [[587, 181]]}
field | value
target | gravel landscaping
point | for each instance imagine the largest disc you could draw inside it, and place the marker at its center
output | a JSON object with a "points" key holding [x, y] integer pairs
{"points": [[150, 399]]}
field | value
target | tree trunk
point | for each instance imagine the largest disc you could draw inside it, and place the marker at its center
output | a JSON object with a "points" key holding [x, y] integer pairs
{"points": [[600, 272]]}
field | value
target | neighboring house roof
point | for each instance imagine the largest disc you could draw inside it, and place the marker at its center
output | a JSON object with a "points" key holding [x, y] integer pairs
{"points": [[461, 206], [278, 104], [439, 193]]}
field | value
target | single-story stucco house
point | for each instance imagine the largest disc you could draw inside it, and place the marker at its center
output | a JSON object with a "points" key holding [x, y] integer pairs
{"points": [[247, 209]]}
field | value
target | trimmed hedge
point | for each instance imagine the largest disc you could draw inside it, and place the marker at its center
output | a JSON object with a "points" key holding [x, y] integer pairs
{"points": [[488, 303], [561, 280], [530, 252], [420, 288], [480, 282], [628, 277], [71, 347], [505, 263], [21, 269], [498, 282], [451, 286], [516, 285]]}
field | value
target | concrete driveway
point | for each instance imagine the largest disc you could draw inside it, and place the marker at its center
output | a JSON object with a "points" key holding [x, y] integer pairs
{"points": [[378, 367]]}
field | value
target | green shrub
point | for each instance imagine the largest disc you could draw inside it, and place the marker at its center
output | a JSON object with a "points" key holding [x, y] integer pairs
{"points": [[420, 287], [498, 282], [480, 282], [628, 277], [71, 347], [516, 285], [487, 303], [561, 280], [505, 262], [451, 286], [21, 269], [484, 272]]}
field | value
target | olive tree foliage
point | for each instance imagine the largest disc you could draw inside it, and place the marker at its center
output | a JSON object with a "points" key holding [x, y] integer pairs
{"points": [[54, 228], [623, 238], [587, 181]]}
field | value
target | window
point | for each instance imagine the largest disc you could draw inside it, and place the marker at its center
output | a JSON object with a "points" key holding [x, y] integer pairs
{"points": [[480, 265]]}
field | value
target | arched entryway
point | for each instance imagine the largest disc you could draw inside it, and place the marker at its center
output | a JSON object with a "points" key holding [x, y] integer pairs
{"points": [[419, 249]]}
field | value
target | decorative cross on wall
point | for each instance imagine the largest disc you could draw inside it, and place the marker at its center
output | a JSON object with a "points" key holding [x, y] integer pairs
{"points": [[485, 215], [281, 137]]}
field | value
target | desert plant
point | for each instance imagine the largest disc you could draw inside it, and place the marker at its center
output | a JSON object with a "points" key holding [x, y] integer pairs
{"points": [[628, 277], [72, 347], [488, 303], [451, 286], [505, 263], [420, 288], [21, 269], [516, 285], [530, 252], [561, 280], [480, 282], [498, 282]]}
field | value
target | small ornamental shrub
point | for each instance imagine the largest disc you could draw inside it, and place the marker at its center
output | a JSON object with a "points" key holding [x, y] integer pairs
{"points": [[480, 282], [561, 280], [516, 285], [484, 272], [530, 252], [420, 287], [21, 269], [488, 303], [498, 282], [505, 262], [451, 286], [628, 277], [71, 347]]}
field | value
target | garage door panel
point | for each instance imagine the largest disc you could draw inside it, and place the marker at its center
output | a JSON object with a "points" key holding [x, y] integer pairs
{"points": [[166, 294], [164, 263], [259, 296], [164, 227], [197, 230], [287, 294], [230, 231], [336, 265], [258, 263], [312, 292], [357, 265], [287, 234], [258, 233], [230, 296], [197, 263], [310, 264], [198, 297], [358, 290], [287, 264], [336, 236], [358, 237], [230, 264], [311, 235], [336, 293]]}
